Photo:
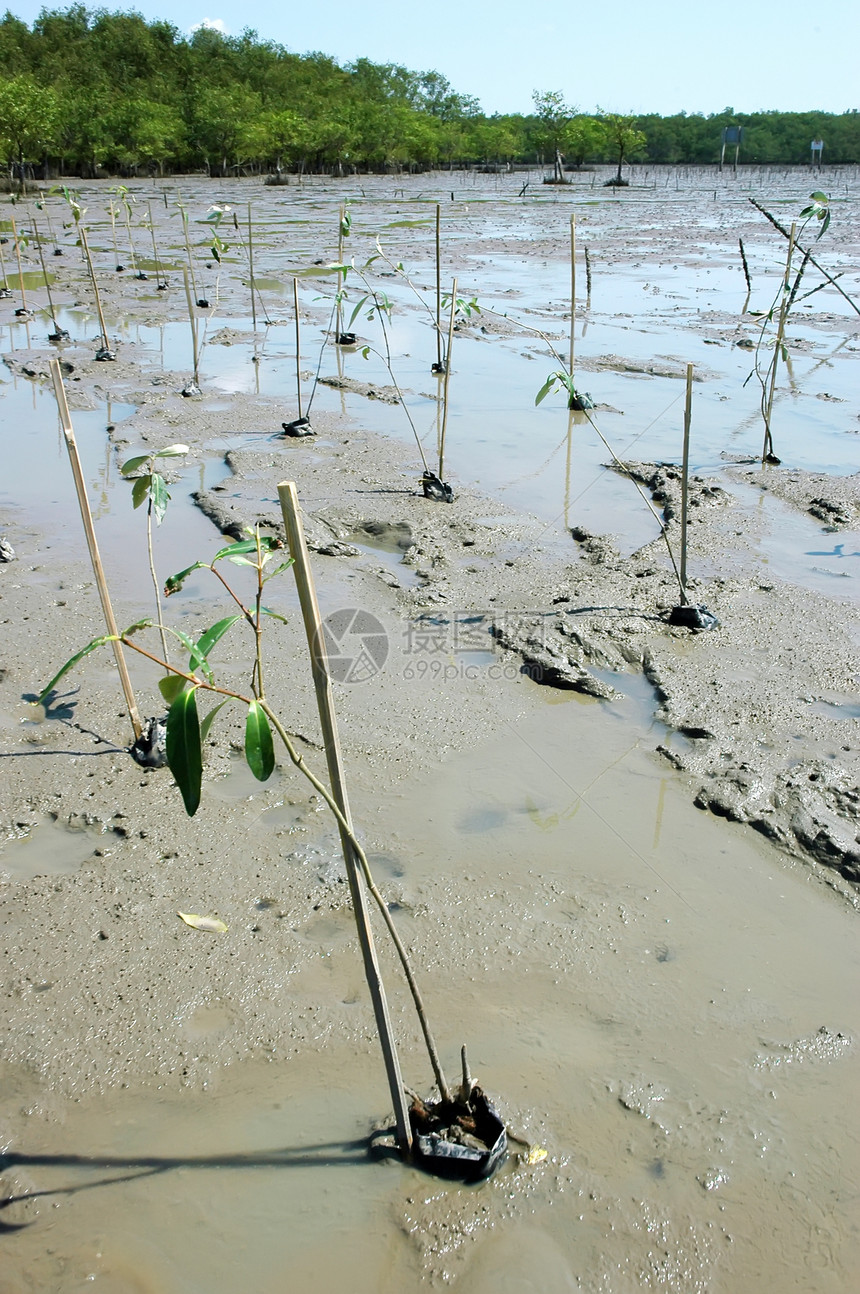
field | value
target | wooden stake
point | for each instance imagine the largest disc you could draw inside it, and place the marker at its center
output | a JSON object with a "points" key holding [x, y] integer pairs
{"points": [[89, 531], [251, 264], [328, 722], [447, 377], [20, 269], [744, 263], [105, 343], [438, 287], [685, 468], [154, 246], [193, 321], [298, 347], [572, 288]]}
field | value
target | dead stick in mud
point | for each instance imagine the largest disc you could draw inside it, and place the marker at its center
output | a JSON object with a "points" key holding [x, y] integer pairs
{"points": [[89, 531], [685, 470], [91, 268], [785, 233], [251, 268], [322, 683], [447, 378]]}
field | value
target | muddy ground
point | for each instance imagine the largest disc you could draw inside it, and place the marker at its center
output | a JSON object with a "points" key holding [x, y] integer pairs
{"points": [[102, 990]]}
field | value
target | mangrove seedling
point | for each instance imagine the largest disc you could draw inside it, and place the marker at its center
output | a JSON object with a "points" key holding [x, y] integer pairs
{"points": [[187, 732]]}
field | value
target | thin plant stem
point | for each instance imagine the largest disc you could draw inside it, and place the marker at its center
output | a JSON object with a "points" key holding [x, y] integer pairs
{"points": [[572, 291], [770, 382], [298, 347], [438, 286], [193, 321], [91, 268], [685, 469]]}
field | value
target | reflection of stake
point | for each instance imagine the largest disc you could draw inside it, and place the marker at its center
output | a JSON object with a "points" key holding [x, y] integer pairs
{"points": [[322, 683], [89, 531], [447, 378], [4, 291]]}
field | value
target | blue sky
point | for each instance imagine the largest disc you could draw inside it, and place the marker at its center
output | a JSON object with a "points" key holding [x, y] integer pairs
{"points": [[664, 56]]}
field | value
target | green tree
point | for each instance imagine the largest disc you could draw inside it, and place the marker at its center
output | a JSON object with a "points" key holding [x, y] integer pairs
{"points": [[623, 140], [554, 115], [28, 120], [583, 137]]}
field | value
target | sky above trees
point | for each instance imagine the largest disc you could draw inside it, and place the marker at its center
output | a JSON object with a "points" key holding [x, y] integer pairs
{"points": [[663, 56]]}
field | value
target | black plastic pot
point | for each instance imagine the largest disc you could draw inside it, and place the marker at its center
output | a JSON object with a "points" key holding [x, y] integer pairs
{"points": [[119, 269], [190, 388], [58, 251], [691, 616], [298, 427], [4, 294], [59, 335], [346, 339], [433, 1128], [162, 287], [142, 276], [580, 401], [202, 303], [105, 353], [438, 366], [23, 313], [150, 749], [772, 460], [435, 489]]}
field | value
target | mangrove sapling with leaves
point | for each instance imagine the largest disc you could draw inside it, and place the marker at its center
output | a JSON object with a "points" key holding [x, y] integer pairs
{"points": [[187, 732], [465, 306], [150, 487], [78, 211], [765, 374], [126, 198]]}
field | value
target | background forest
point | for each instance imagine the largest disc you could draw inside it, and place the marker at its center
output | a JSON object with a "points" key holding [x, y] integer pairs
{"points": [[89, 92]]}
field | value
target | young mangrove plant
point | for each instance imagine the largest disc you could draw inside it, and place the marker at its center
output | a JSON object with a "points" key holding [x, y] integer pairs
{"points": [[188, 731], [772, 351]]}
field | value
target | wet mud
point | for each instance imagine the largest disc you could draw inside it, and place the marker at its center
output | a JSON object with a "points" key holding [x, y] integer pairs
{"points": [[624, 855]]}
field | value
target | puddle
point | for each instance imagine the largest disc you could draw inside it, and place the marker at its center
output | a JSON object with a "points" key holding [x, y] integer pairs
{"points": [[47, 848]]}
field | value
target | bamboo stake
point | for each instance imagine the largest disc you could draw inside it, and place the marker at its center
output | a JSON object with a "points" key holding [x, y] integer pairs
{"points": [[105, 342], [89, 531], [251, 266], [767, 447], [298, 347], [587, 277], [20, 268], [59, 334], [158, 281], [685, 468], [447, 377], [338, 325], [193, 322], [119, 267], [328, 721], [438, 287], [572, 289]]}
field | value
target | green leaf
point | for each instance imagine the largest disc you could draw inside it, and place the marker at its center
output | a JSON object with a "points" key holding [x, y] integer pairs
{"points": [[267, 611], [242, 561], [140, 490], [160, 497], [365, 352], [132, 464], [209, 718], [818, 196], [174, 583], [284, 566], [172, 451], [72, 661], [170, 686], [548, 386], [267, 542], [195, 658], [184, 753], [259, 749], [207, 640], [356, 311], [807, 211]]}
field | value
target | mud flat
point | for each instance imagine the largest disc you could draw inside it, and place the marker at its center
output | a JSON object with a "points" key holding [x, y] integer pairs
{"points": [[624, 855]]}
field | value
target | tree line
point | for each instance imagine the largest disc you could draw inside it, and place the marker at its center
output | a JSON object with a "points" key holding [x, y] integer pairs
{"points": [[88, 92]]}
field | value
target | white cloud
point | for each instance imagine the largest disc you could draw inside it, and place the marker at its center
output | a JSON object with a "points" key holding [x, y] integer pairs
{"points": [[214, 24]]}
